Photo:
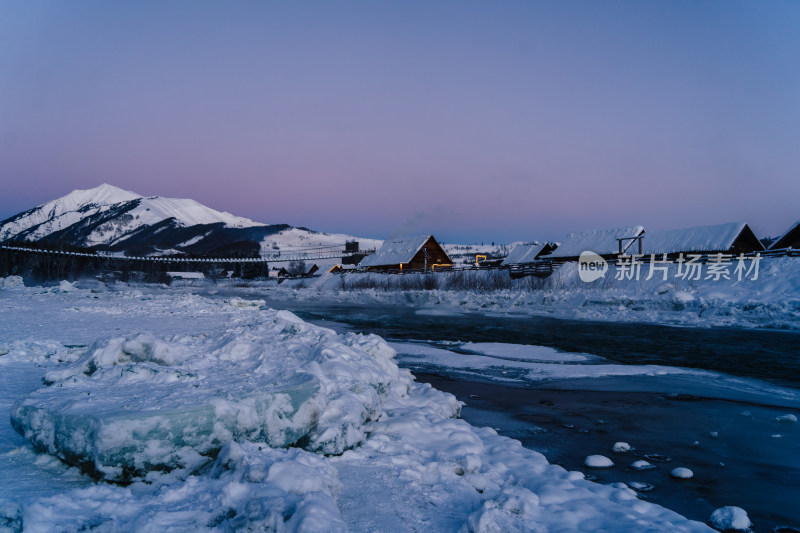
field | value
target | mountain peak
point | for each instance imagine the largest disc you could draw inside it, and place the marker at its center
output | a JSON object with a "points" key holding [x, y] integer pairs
{"points": [[103, 194]]}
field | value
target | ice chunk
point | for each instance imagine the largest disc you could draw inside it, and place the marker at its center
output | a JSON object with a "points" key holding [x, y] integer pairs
{"points": [[598, 461], [730, 519], [135, 404], [119, 444], [245, 304], [523, 352], [639, 486]]}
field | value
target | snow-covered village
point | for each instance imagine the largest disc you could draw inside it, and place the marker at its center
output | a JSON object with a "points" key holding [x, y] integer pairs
{"points": [[387, 267]]}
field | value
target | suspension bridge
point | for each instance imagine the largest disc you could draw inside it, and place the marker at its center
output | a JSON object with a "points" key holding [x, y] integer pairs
{"points": [[312, 253]]}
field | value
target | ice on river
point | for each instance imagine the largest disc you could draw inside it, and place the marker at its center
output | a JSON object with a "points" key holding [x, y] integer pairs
{"points": [[525, 364], [136, 404]]}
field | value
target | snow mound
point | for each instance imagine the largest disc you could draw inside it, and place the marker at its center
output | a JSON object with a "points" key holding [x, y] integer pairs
{"points": [[681, 473], [39, 351], [621, 447], [132, 405], [598, 461], [730, 519], [642, 465], [515, 510], [65, 286], [12, 282]]}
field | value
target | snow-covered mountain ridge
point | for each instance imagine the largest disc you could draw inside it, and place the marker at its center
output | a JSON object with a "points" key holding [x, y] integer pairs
{"points": [[61, 213], [109, 218]]}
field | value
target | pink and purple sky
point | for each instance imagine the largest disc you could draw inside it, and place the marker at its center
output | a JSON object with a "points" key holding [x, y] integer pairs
{"points": [[476, 121]]}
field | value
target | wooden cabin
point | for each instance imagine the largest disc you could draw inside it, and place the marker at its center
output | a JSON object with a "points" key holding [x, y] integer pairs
{"points": [[790, 239], [607, 243], [307, 272], [528, 253], [731, 238], [416, 252]]}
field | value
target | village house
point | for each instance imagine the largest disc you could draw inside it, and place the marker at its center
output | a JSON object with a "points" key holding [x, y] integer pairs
{"points": [[415, 252], [731, 238], [607, 243], [790, 239], [528, 253]]}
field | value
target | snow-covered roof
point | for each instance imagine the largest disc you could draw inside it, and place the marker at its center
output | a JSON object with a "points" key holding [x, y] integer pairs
{"points": [[396, 251], [603, 242], [713, 238], [778, 244], [524, 253]]}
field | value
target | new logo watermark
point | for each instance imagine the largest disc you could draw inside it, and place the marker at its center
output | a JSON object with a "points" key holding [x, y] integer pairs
{"points": [[591, 266], [694, 267]]}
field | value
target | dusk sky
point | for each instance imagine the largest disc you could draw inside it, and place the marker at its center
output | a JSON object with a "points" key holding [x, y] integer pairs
{"points": [[474, 121]]}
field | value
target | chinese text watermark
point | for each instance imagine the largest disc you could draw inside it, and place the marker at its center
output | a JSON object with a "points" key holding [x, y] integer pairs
{"points": [[691, 267]]}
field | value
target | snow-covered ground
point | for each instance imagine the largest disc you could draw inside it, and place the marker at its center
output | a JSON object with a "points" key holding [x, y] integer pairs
{"points": [[298, 241], [192, 402], [772, 300]]}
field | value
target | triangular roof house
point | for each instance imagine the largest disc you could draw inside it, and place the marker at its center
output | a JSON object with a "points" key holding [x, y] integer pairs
{"points": [[527, 253], [790, 239], [412, 252], [732, 238], [602, 242]]}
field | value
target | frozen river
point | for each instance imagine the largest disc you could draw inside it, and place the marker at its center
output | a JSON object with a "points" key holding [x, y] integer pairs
{"points": [[772, 355], [726, 430], [721, 402]]}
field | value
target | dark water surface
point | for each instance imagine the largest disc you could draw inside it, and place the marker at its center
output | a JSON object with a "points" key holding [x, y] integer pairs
{"points": [[772, 355]]}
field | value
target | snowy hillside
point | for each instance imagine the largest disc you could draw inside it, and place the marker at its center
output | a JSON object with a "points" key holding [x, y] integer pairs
{"points": [[300, 240]]}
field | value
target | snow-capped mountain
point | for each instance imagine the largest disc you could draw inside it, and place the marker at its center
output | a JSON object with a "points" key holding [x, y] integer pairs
{"points": [[110, 218], [115, 213]]}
